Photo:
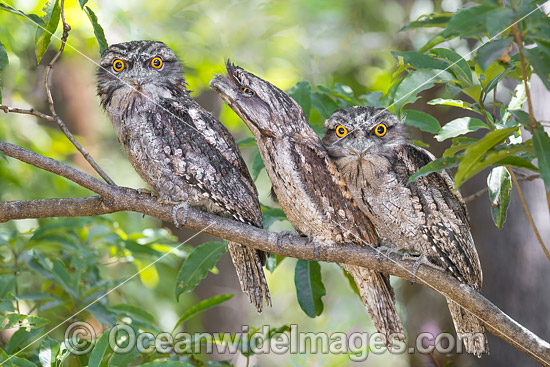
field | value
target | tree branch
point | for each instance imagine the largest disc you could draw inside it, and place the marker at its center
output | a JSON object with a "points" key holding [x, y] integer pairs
{"points": [[115, 198]]}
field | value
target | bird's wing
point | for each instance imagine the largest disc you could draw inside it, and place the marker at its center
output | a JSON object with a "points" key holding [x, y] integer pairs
{"points": [[199, 160], [446, 219], [219, 137]]}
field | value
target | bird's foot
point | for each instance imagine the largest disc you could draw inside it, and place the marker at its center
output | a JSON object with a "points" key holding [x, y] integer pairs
{"points": [[175, 210], [419, 260], [147, 192], [385, 251], [282, 237]]}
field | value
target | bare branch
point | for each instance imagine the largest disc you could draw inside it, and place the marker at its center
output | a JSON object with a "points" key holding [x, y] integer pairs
{"points": [[115, 198], [485, 190], [54, 117], [32, 111]]}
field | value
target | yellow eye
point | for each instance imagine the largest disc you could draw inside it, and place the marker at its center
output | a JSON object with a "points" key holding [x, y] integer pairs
{"points": [[156, 62], [247, 91], [118, 65], [380, 130], [341, 131]]}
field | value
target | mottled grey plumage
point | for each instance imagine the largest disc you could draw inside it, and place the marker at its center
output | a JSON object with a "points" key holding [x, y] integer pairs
{"points": [[307, 184], [183, 152], [422, 218]]}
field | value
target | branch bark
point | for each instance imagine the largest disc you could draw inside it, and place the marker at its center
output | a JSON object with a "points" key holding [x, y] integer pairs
{"points": [[115, 198]]}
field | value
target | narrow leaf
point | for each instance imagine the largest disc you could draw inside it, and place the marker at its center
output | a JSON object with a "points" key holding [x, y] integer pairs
{"points": [[198, 263], [42, 38], [301, 93], [49, 349], [417, 60], [20, 362], [500, 186], [5, 359], [99, 350], [35, 18], [540, 61], [309, 287], [459, 127], [247, 142], [541, 144], [82, 3], [432, 20], [451, 102], [202, 306], [422, 120], [474, 153], [459, 66], [98, 30], [437, 165]]}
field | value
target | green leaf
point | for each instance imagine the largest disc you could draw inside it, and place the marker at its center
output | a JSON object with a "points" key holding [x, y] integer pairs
{"points": [[371, 98], [82, 3], [437, 165], [343, 93], [460, 126], [21, 338], [301, 93], [49, 350], [459, 66], [421, 120], [257, 166], [540, 61], [468, 22], [474, 153], [7, 284], [140, 318], [198, 263], [271, 215], [417, 60], [432, 20], [309, 287], [416, 82], [451, 102], [500, 187], [434, 41], [498, 19], [35, 18], [4, 61], [517, 162], [100, 347], [167, 364], [491, 51], [541, 144], [5, 359], [98, 30], [12, 319], [42, 38], [202, 306], [21, 362], [247, 142], [323, 104], [459, 144]]}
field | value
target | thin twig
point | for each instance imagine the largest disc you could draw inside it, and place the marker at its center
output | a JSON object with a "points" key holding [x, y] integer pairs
{"points": [[124, 199], [485, 190], [528, 213], [31, 111], [56, 118]]}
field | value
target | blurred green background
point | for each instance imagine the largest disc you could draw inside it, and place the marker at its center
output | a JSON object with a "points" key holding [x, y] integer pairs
{"points": [[323, 42]]}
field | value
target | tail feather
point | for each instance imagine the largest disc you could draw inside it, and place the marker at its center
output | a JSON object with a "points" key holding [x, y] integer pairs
{"points": [[378, 297], [469, 328], [250, 272]]}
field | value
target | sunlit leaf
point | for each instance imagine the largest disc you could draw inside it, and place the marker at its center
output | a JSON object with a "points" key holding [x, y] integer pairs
{"points": [[301, 93], [451, 102], [35, 18], [42, 38], [99, 350], [460, 126], [20, 362], [500, 186], [437, 165], [474, 153], [98, 30], [541, 144], [458, 144], [13, 319], [49, 349], [198, 263], [432, 20], [202, 306], [422, 120], [309, 287]]}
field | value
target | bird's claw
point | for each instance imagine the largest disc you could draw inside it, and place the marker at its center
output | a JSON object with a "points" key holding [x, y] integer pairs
{"points": [[175, 209], [384, 250], [419, 260]]}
